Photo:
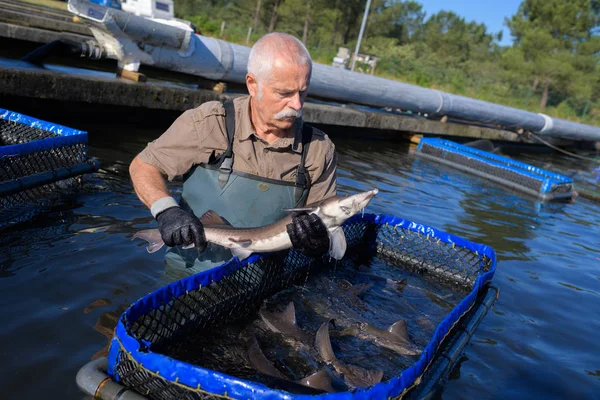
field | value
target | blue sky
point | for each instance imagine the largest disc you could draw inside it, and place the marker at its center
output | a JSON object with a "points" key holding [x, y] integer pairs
{"points": [[491, 13]]}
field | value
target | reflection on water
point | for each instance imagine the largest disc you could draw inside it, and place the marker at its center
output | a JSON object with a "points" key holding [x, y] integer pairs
{"points": [[66, 276]]}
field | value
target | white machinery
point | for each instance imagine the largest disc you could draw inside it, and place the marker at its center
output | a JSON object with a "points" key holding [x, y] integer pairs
{"points": [[162, 9]]}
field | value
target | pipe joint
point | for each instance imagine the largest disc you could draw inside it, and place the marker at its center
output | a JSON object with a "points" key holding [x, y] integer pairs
{"points": [[548, 123]]}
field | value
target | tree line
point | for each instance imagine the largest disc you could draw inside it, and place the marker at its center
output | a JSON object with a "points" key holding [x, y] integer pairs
{"points": [[551, 67]]}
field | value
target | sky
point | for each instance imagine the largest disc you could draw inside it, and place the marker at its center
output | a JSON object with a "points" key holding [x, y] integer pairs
{"points": [[490, 12]]}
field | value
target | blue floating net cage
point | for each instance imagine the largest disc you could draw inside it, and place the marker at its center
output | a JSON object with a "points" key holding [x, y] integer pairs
{"points": [[545, 185], [38, 159], [165, 322]]}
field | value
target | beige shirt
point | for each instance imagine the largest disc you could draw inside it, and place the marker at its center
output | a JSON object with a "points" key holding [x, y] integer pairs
{"points": [[199, 132]]}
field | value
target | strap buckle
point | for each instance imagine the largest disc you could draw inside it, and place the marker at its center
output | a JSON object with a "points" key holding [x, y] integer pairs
{"points": [[224, 171]]}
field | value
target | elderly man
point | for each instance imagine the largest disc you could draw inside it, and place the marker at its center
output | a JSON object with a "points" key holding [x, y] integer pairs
{"points": [[247, 160]]}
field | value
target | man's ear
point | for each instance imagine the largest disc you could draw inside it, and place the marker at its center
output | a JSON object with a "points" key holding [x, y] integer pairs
{"points": [[252, 85]]}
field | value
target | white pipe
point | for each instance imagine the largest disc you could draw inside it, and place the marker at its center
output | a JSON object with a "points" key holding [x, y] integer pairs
{"points": [[93, 380]]}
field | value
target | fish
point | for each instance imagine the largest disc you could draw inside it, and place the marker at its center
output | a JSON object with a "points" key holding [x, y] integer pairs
{"points": [[285, 323], [356, 289], [244, 241], [395, 337], [320, 380], [399, 285], [354, 376]]}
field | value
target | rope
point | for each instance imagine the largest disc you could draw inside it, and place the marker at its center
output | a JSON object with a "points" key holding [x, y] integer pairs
{"points": [[563, 151]]}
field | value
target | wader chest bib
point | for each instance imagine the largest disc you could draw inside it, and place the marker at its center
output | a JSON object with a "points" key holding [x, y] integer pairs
{"points": [[244, 200]]}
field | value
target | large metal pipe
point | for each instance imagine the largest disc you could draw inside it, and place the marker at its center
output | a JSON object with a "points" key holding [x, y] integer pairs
{"points": [[93, 380], [174, 48]]}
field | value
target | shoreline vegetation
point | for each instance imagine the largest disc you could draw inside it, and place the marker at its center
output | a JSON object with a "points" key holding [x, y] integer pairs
{"points": [[551, 68]]}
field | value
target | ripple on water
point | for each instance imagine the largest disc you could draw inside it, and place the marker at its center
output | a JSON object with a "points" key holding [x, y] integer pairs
{"points": [[538, 341]]}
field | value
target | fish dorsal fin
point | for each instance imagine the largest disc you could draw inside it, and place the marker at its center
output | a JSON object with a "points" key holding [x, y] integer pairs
{"points": [[212, 218], [337, 243], [319, 380], [399, 330], [401, 284], [289, 314], [323, 343]]}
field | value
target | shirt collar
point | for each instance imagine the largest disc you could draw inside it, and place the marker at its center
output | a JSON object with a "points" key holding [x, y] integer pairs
{"points": [[246, 131], [245, 128]]}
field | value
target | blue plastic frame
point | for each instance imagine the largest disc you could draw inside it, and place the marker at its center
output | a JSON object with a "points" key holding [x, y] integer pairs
{"points": [[548, 178], [67, 136], [221, 384]]}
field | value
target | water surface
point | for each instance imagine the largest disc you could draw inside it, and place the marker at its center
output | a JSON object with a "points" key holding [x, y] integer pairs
{"points": [[65, 277]]}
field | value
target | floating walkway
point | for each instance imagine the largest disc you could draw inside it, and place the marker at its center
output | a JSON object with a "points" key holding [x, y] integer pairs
{"points": [[540, 183]]}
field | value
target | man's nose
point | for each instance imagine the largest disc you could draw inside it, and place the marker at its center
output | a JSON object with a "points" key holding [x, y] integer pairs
{"points": [[295, 101]]}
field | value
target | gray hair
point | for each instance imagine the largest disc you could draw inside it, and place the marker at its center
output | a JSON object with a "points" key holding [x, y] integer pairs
{"points": [[271, 46]]}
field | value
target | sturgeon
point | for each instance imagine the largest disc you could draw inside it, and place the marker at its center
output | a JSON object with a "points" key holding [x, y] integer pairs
{"points": [[354, 376], [244, 241], [285, 323], [395, 337], [320, 380]]}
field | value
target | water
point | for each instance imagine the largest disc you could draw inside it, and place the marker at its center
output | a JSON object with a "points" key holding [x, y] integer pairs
{"points": [[65, 278], [348, 293]]}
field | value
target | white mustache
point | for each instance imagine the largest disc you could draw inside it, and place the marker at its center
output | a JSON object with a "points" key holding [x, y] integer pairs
{"points": [[288, 113]]}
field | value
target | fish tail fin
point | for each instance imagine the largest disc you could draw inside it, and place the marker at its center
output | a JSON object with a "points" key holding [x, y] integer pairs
{"points": [[152, 236], [323, 343], [259, 360]]}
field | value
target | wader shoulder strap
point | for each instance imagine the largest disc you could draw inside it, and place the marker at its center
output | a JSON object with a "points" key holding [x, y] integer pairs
{"points": [[302, 176], [226, 159]]}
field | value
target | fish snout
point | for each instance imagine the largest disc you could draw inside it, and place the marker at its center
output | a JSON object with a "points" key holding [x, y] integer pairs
{"points": [[365, 198]]}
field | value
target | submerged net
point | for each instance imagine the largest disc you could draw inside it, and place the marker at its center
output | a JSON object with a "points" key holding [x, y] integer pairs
{"points": [[514, 174], [38, 160], [159, 326]]}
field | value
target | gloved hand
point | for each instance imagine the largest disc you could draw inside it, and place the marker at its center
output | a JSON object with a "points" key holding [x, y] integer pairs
{"points": [[180, 228], [308, 234]]}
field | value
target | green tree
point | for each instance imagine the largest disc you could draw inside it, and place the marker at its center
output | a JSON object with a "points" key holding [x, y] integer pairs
{"points": [[549, 34]]}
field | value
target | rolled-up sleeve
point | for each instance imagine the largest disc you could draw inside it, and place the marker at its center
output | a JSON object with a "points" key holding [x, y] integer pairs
{"points": [[190, 140], [175, 151]]}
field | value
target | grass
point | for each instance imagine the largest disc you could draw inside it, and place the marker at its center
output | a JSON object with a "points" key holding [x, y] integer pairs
{"points": [[61, 5]]}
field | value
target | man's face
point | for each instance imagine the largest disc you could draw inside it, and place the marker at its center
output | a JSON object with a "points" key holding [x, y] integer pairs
{"points": [[283, 93]]}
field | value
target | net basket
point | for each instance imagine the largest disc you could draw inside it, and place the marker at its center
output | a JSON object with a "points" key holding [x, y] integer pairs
{"points": [[163, 323], [37, 160], [545, 185]]}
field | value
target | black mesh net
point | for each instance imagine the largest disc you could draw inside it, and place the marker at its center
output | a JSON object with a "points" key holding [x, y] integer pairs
{"points": [[172, 327], [19, 206], [16, 133], [507, 174]]}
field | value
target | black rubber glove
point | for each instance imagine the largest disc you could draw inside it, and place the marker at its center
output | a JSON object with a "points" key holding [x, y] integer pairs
{"points": [[180, 228], [308, 234]]}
